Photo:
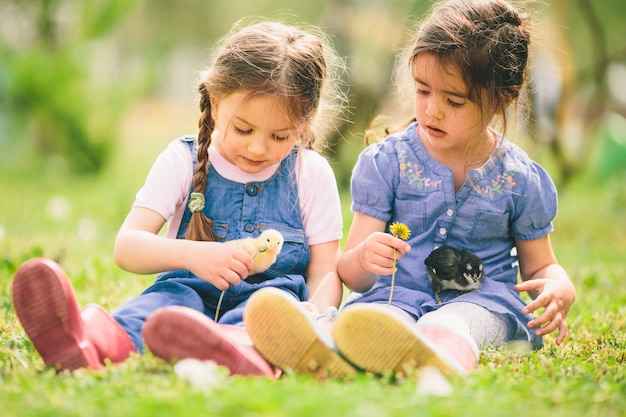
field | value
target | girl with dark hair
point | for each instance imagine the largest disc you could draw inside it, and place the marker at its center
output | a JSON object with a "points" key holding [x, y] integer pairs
{"points": [[449, 178]]}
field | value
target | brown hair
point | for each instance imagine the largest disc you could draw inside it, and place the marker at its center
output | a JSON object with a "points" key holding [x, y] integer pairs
{"points": [[268, 58], [486, 40]]}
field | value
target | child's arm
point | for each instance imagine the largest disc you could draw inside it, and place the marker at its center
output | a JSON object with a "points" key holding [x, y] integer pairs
{"points": [[369, 251], [139, 249], [324, 285], [547, 283]]}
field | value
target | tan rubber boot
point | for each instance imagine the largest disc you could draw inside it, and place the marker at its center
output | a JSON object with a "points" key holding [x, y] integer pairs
{"points": [[291, 338], [377, 340]]}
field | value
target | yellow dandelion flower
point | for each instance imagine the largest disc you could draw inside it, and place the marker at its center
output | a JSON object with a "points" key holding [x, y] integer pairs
{"points": [[400, 230]]}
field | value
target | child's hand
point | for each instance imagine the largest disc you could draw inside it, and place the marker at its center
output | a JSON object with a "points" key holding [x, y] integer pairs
{"points": [[220, 264], [557, 296], [376, 253]]}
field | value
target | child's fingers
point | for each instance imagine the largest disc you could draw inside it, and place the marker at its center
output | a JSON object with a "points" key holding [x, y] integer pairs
{"points": [[551, 320], [547, 322], [534, 305], [392, 242], [562, 332], [530, 285]]}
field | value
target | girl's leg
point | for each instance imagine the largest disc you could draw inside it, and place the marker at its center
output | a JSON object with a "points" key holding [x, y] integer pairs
{"points": [[377, 338], [173, 291], [172, 320], [65, 337], [176, 333], [469, 320]]}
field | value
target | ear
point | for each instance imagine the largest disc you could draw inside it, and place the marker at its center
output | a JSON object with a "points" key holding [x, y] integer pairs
{"points": [[510, 95]]}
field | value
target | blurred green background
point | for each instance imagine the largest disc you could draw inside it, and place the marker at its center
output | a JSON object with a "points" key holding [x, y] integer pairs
{"points": [[92, 90]]}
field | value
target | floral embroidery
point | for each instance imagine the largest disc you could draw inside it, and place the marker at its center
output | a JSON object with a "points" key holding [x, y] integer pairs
{"points": [[412, 171], [500, 184]]}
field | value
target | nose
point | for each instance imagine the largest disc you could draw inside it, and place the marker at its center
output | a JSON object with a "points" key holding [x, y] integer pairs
{"points": [[256, 145], [434, 108]]}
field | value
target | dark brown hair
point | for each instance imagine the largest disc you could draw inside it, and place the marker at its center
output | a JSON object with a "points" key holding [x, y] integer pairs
{"points": [[487, 41]]}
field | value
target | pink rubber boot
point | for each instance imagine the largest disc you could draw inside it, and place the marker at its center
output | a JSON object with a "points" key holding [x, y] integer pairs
{"points": [[65, 337], [452, 348], [176, 333]]}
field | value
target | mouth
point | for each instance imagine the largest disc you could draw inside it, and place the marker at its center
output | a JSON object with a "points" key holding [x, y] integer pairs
{"points": [[252, 162], [434, 131]]}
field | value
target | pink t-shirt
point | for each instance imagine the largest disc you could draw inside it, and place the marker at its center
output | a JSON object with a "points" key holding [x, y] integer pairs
{"points": [[168, 184]]}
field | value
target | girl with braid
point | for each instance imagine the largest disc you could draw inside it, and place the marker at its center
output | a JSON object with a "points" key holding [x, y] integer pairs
{"points": [[254, 165]]}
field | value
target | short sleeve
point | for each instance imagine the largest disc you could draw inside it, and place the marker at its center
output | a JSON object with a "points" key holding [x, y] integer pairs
{"points": [[320, 203], [372, 191], [168, 183], [537, 207]]}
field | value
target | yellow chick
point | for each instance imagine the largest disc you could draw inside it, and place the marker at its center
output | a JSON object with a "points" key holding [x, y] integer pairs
{"points": [[263, 249]]}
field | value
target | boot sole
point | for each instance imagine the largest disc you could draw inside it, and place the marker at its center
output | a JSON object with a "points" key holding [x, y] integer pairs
{"points": [[177, 333], [285, 335], [376, 341], [47, 310]]}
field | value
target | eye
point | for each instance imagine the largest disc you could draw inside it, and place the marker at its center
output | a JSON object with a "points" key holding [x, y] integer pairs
{"points": [[421, 91], [280, 138], [468, 267], [242, 132], [455, 104]]}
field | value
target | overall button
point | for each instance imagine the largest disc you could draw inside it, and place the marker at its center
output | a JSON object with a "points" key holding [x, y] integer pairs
{"points": [[249, 228], [252, 189]]}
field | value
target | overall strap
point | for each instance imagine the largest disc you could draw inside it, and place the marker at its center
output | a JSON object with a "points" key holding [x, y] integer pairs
{"points": [[192, 142]]}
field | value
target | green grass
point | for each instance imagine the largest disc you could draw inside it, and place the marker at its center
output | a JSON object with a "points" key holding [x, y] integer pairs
{"points": [[583, 377]]}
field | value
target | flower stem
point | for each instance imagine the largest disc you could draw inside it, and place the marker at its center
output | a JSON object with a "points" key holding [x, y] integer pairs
{"points": [[393, 277], [219, 305]]}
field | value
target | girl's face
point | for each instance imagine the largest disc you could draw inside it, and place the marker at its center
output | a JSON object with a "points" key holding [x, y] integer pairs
{"points": [[252, 132], [449, 122]]}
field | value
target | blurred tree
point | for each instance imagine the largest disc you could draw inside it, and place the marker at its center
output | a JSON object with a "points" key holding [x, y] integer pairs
{"points": [[177, 37], [578, 82], [68, 68], [52, 98]]}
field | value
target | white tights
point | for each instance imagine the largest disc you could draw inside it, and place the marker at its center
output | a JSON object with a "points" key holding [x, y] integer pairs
{"points": [[475, 324]]}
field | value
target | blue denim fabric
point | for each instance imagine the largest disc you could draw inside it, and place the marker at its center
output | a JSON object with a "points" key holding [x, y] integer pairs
{"points": [[510, 197], [238, 211]]}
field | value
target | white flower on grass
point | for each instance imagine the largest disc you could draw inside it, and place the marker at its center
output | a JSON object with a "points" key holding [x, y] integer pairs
{"points": [[431, 382], [59, 207], [202, 374], [87, 229]]}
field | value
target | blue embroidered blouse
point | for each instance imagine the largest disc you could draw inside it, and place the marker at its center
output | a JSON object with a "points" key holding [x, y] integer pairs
{"points": [[509, 198]]}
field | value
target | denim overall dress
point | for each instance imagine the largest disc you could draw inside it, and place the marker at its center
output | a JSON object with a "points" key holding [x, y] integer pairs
{"points": [[238, 211]]}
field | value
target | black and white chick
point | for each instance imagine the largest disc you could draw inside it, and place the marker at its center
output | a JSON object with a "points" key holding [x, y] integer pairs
{"points": [[454, 269]]}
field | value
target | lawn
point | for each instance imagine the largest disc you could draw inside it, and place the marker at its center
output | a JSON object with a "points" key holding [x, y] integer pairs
{"points": [[74, 220]]}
